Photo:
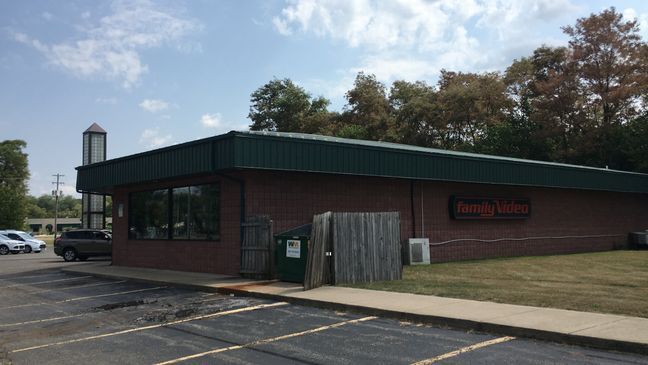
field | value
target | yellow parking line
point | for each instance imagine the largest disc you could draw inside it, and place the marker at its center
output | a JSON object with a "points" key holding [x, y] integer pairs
{"points": [[91, 313], [45, 282], [84, 298], [31, 276], [464, 350], [205, 316], [264, 341], [76, 287], [42, 320]]}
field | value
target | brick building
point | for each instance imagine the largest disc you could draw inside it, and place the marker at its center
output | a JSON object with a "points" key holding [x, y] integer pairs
{"points": [[181, 207]]}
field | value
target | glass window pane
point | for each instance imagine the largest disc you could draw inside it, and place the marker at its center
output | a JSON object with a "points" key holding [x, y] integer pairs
{"points": [[149, 215], [180, 206], [204, 212]]}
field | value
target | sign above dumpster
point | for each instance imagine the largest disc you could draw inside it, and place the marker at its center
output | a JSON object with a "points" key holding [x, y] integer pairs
{"points": [[467, 207]]}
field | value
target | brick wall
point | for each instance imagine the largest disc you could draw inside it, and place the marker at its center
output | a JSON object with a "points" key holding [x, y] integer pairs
{"points": [[291, 199]]}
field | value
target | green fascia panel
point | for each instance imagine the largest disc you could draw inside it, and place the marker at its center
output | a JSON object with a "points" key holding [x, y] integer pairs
{"points": [[313, 153]]}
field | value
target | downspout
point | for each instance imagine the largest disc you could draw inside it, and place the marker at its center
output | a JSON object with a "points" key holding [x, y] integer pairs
{"points": [[412, 211]]}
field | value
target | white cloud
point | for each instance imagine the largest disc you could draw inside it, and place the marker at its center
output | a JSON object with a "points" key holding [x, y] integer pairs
{"points": [[102, 100], [215, 123], [47, 16], [211, 120], [68, 190], [414, 39], [152, 138], [111, 49], [376, 24], [154, 105], [630, 14]]}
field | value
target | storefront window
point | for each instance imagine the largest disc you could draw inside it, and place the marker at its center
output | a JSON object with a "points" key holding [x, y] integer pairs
{"points": [[204, 212], [192, 213], [149, 215]]}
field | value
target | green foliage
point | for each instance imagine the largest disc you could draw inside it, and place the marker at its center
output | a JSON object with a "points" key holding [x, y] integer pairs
{"points": [[282, 106], [585, 103], [44, 206], [368, 108], [353, 131], [416, 110], [13, 184]]}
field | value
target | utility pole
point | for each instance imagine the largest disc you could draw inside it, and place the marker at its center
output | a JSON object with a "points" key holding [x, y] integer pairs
{"points": [[56, 196]]}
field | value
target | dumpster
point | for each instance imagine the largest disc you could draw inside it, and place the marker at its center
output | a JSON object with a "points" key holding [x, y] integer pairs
{"points": [[291, 253], [638, 240]]}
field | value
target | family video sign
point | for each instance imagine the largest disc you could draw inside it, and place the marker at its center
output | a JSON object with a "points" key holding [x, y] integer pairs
{"points": [[463, 207]]}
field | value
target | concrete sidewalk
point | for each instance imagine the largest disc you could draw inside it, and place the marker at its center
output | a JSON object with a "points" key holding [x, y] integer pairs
{"points": [[605, 331]]}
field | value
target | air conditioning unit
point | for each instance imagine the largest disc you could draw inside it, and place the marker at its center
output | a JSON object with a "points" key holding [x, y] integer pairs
{"points": [[418, 251]]}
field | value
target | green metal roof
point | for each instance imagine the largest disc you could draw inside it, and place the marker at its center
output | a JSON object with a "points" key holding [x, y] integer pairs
{"points": [[314, 153]]}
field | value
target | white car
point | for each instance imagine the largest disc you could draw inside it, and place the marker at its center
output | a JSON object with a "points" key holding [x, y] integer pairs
{"points": [[31, 244], [8, 245]]}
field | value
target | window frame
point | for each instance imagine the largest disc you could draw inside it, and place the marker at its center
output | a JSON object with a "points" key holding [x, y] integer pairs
{"points": [[169, 236]]}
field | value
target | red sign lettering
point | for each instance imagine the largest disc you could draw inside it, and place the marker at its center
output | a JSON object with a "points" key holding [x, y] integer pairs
{"points": [[489, 208]]}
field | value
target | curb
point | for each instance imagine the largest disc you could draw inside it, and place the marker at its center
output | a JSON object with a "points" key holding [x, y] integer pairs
{"points": [[456, 323], [198, 287], [447, 322]]}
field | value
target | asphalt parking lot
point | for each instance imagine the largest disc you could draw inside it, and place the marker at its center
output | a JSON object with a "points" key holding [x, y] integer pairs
{"points": [[51, 317]]}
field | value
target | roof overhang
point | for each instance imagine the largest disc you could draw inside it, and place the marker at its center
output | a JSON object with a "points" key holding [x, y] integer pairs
{"points": [[321, 154]]}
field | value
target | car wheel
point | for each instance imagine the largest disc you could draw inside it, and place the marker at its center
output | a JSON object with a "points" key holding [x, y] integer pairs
{"points": [[4, 250], [83, 258], [69, 254], [28, 249]]}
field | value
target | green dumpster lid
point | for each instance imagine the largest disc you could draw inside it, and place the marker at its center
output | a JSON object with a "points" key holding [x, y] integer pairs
{"points": [[304, 230]]}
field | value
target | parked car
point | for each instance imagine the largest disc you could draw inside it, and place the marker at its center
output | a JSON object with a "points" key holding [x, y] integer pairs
{"points": [[8, 245], [31, 244], [83, 243]]}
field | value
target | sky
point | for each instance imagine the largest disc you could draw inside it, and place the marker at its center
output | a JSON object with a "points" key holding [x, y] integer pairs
{"points": [[157, 73]]}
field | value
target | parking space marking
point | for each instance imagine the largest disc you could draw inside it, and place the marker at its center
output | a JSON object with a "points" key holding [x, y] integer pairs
{"points": [[144, 328], [45, 282], [84, 298], [76, 287], [464, 350], [42, 320], [31, 276], [91, 313], [264, 341]]}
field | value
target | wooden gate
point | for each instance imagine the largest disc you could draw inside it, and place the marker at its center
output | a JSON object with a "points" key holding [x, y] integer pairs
{"points": [[257, 248], [353, 248], [318, 263]]}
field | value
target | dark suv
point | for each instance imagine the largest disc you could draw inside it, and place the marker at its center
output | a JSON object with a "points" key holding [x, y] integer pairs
{"points": [[83, 243]]}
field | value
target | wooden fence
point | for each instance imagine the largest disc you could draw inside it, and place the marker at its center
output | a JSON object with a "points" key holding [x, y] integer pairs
{"points": [[363, 247], [257, 248]]}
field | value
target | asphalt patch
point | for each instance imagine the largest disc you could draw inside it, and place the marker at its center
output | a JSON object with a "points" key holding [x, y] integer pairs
{"points": [[174, 311], [111, 306]]}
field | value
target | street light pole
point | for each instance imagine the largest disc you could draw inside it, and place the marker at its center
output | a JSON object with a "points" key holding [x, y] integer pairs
{"points": [[56, 197]]}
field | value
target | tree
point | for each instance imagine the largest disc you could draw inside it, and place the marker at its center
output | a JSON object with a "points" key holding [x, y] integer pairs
{"points": [[469, 104], [609, 58], [368, 109], [13, 184], [282, 106], [44, 206], [519, 135], [33, 210], [556, 103], [416, 114]]}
